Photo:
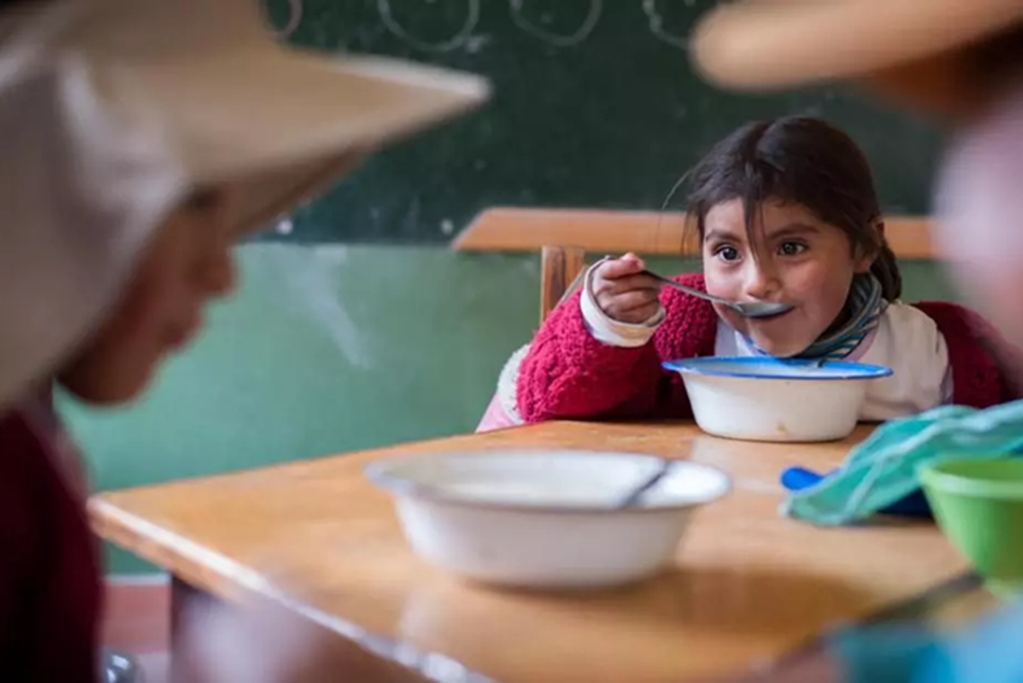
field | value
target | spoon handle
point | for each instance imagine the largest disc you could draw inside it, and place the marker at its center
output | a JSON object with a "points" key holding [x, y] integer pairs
{"points": [[637, 493], [688, 290]]}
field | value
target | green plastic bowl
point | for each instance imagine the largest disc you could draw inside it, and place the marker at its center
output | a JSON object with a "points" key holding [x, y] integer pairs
{"points": [[979, 506]]}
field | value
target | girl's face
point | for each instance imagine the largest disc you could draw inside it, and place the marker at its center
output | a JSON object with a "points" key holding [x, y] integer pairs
{"points": [[186, 265], [797, 260]]}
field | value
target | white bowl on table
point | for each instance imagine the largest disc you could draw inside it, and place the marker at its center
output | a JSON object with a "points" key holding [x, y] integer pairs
{"points": [[771, 399], [545, 519]]}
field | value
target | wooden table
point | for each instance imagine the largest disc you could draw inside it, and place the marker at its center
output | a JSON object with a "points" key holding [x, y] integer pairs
{"points": [[748, 587]]}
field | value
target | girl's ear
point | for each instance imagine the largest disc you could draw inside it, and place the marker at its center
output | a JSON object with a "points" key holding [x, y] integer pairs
{"points": [[865, 256]]}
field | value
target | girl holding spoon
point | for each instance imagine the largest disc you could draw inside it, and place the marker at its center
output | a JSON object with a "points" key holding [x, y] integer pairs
{"points": [[787, 214]]}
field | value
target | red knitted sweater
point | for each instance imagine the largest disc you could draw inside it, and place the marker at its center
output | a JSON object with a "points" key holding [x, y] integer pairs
{"points": [[568, 374]]}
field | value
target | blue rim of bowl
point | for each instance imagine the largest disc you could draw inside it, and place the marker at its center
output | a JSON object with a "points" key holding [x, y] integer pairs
{"points": [[398, 486], [843, 370]]}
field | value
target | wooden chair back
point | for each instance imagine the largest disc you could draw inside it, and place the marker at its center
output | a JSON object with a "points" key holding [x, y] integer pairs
{"points": [[561, 273]]}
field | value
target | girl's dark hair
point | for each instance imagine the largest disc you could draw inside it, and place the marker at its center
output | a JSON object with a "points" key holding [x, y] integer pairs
{"points": [[802, 160]]}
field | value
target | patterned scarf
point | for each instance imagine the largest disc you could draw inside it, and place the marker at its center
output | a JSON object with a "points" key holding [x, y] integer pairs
{"points": [[867, 304]]}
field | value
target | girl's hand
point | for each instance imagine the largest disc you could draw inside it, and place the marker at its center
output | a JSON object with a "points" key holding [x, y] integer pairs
{"points": [[623, 293]]}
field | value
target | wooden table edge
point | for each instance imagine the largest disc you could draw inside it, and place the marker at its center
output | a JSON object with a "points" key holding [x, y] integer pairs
{"points": [[233, 583], [225, 580]]}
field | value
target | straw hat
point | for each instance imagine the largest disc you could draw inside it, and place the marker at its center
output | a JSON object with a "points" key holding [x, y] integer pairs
{"points": [[112, 111], [770, 44]]}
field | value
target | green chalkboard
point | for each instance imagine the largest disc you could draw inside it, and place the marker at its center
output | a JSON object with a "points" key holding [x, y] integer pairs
{"points": [[595, 105]]}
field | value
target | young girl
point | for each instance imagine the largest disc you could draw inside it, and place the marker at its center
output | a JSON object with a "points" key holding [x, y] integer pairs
{"points": [[785, 211], [141, 139]]}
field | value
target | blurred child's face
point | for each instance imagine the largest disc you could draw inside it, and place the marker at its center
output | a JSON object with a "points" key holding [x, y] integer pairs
{"points": [[186, 265], [980, 210], [797, 260]]}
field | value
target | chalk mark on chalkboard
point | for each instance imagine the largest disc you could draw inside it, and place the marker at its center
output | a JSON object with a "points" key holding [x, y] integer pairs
{"points": [[285, 226], [657, 26], [557, 39], [294, 20], [472, 19]]}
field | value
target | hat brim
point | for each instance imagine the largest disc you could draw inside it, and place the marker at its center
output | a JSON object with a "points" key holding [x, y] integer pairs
{"points": [[284, 123], [767, 45]]}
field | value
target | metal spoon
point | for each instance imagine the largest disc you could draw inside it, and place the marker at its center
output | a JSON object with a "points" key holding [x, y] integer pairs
{"points": [[750, 309], [637, 493]]}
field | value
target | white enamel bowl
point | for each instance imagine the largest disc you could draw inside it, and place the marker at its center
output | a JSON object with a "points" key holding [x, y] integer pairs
{"points": [[767, 399], [545, 519]]}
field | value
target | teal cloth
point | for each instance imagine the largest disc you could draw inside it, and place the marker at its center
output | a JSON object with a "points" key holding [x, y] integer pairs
{"points": [[889, 654], [986, 652], [883, 469]]}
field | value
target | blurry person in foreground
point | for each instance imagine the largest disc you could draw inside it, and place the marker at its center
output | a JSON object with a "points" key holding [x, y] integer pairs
{"points": [[141, 139]]}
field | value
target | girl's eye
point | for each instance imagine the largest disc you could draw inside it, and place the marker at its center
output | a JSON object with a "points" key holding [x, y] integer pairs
{"points": [[791, 249], [727, 253]]}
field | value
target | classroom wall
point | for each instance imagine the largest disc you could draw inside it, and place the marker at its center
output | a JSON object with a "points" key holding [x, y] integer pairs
{"points": [[331, 349]]}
